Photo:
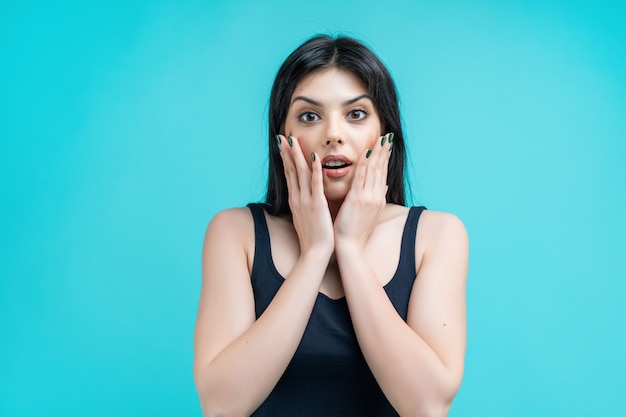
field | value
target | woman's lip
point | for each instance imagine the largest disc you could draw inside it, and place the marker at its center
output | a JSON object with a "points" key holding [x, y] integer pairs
{"points": [[341, 158], [336, 172]]}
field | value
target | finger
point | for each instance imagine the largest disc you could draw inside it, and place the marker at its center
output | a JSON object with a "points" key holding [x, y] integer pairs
{"points": [[360, 171], [386, 156], [302, 168], [374, 165], [289, 166], [317, 180], [377, 168]]}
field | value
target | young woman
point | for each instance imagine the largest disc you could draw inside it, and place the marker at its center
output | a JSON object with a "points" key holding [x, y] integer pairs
{"points": [[328, 299]]}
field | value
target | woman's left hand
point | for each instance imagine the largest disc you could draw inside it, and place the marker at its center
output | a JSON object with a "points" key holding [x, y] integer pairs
{"points": [[366, 198]]}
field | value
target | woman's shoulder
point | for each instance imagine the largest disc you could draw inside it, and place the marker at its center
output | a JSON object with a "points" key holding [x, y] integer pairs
{"points": [[442, 223], [441, 231], [236, 222], [434, 224], [232, 217], [229, 233]]}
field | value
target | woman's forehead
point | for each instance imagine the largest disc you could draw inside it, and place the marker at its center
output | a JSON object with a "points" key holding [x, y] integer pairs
{"points": [[331, 81]]}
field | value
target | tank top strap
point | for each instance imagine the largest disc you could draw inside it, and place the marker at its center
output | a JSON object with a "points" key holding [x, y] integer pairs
{"points": [[261, 234], [407, 246]]}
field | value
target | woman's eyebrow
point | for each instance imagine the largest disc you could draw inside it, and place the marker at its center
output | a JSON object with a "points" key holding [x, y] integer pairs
{"points": [[345, 103], [354, 100], [308, 100]]}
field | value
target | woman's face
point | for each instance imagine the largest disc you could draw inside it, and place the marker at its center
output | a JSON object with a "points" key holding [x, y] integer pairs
{"points": [[332, 114]]}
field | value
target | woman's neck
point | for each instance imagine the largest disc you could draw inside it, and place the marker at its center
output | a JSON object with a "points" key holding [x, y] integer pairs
{"points": [[334, 207]]}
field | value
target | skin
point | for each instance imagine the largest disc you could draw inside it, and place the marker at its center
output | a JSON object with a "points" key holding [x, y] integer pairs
{"points": [[342, 239]]}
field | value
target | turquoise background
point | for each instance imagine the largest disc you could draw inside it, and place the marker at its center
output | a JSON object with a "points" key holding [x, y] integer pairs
{"points": [[125, 126]]}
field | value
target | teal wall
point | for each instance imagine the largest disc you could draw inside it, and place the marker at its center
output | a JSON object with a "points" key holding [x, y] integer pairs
{"points": [[125, 126]]}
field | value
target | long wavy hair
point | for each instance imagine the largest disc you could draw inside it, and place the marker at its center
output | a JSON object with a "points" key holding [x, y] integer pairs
{"points": [[322, 52]]}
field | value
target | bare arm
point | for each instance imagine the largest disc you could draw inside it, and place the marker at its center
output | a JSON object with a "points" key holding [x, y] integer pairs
{"points": [[238, 360], [418, 364]]}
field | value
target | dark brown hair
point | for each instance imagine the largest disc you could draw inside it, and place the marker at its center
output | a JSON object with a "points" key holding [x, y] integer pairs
{"points": [[318, 53]]}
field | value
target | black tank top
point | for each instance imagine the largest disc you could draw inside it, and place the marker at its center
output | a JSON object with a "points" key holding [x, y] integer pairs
{"points": [[328, 375]]}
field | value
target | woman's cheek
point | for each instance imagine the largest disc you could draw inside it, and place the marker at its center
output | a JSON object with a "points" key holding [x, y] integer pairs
{"points": [[304, 142], [374, 139], [305, 147]]}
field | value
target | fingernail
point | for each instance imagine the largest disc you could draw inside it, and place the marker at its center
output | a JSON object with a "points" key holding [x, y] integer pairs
{"points": [[313, 156], [278, 141], [290, 141], [382, 141], [369, 152], [391, 137]]}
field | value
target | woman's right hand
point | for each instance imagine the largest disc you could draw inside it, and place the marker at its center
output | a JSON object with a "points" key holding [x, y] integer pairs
{"points": [[309, 207]]}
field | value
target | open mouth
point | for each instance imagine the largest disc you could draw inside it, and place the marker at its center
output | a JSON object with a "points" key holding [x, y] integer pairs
{"points": [[335, 165]]}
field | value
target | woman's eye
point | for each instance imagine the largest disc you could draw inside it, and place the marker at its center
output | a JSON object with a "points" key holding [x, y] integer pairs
{"points": [[357, 114], [308, 117]]}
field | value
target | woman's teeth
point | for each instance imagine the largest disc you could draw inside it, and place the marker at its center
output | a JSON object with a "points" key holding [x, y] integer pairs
{"points": [[335, 164]]}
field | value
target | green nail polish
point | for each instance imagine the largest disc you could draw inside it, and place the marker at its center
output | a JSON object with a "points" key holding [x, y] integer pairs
{"points": [[369, 152], [313, 156], [278, 141], [382, 141], [290, 141], [391, 137]]}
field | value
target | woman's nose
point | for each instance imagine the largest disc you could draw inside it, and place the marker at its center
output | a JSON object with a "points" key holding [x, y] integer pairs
{"points": [[334, 133], [334, 139]]}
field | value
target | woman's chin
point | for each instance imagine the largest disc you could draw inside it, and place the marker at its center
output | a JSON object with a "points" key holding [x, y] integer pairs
{"points": [[335, 194]]}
